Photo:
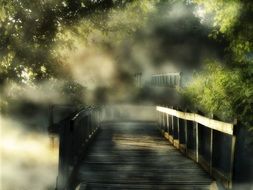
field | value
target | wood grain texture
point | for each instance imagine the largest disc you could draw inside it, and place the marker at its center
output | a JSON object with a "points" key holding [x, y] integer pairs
{"points": [[135, 156]]}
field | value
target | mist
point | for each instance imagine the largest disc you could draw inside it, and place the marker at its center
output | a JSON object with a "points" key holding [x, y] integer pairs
{"points": [[98, 68], [27, 159]]}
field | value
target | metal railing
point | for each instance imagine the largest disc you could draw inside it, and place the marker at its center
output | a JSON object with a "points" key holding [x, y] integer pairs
{"points": [[209, 142], [74, 135]]}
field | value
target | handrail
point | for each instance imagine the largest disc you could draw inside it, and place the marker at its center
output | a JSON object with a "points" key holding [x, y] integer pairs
{"points": [[168, 73], [209, 142], [166, 79], [75, 135], [211, 123]]}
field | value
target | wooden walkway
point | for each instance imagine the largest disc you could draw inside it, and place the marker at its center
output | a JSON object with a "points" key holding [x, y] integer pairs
{"points": [[129, 155]]}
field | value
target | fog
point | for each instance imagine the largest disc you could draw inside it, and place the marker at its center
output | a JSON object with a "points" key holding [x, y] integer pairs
{"points": [[27, 159], [101, 70]]}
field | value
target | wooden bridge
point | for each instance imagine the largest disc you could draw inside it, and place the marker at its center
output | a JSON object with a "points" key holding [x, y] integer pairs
{"points": [[146, 148]]}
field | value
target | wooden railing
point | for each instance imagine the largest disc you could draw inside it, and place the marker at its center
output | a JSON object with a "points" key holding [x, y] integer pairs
{"points": [[171, 80], [209, 142], [75, 134]]}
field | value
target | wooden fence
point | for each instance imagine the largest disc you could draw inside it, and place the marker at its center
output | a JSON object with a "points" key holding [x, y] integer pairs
{"points": [[75, 134], [209, 142]]}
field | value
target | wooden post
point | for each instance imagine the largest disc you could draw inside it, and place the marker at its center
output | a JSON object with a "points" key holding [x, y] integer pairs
{"points": [[178, 131], [232, 162], [197, 141], [172, 125], [159, 118], [64, 155], [167, 126], [89, 125], [163, 123], [232, 157], [186, 135], [211, 153]]}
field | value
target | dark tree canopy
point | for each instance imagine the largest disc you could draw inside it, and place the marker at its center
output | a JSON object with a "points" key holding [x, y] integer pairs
{"points": [[28, 32]]}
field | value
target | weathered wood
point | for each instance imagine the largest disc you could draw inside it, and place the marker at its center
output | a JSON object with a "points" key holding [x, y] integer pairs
{"points": [[211, 152], [178, 131], [167, 123], [75, 135], [211, 123], [135, 156], [197, 141], [172, 127], [222, 168], [232, 161], [186, 135]]}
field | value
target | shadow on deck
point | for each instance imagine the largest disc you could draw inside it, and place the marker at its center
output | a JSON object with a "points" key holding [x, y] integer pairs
{"points": [[134, 155]]}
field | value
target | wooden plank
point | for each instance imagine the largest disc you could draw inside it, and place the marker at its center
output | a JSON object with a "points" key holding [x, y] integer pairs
{"points": [[224, 127], [136, 156]]}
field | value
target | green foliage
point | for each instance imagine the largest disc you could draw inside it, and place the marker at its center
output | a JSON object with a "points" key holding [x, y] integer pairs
{"points": [[105, 29], [222, 91], [29, 30], [219, 90], [225, 13], [232, 20], [36, 37], [228, 90]]}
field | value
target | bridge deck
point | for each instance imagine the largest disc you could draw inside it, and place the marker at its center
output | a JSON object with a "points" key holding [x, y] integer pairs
{"points": [[135, 156]]}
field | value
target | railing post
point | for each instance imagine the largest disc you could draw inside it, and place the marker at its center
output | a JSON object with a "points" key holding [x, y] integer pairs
{"points": [[172, 127], [186, 133], [159, 120], [232, 156], [197, 141], [168, 124], [163, 122], [178, 132], [211, 152]]}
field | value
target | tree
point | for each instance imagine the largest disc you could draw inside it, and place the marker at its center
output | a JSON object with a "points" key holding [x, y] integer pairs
{"points": [[37, 36], [226, 87], [28, 33]]}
